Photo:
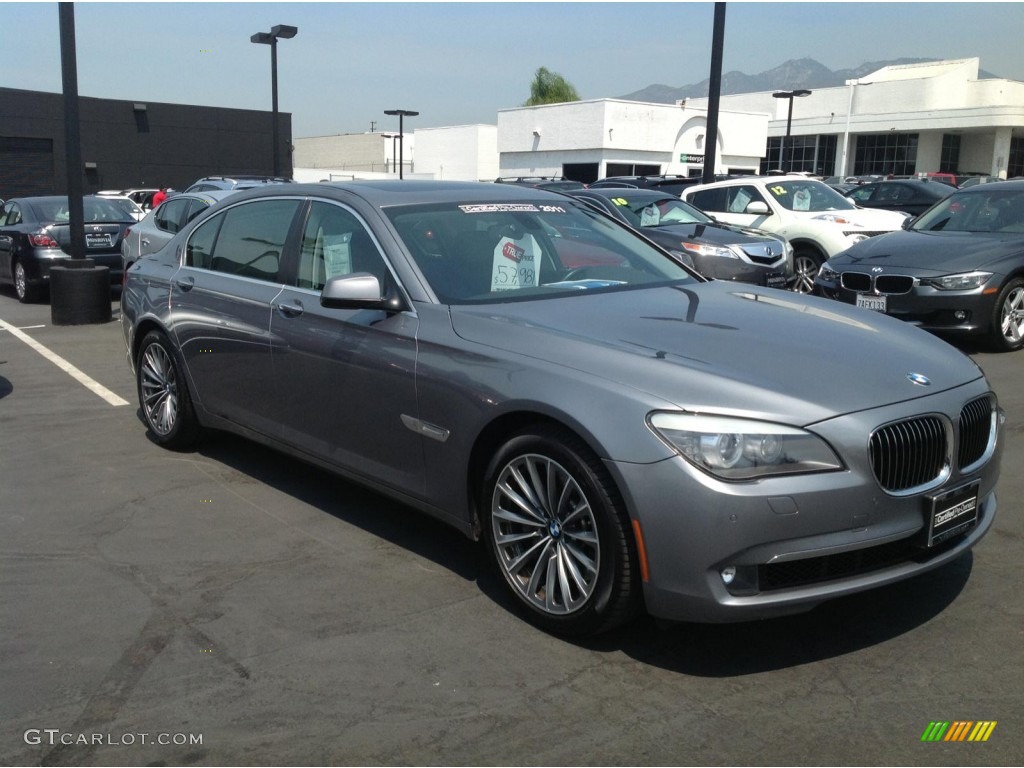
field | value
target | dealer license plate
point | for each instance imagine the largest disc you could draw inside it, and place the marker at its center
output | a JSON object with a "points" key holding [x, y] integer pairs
{"points": [[98, 241], [775, 280], [952, 513], [876, 303]]}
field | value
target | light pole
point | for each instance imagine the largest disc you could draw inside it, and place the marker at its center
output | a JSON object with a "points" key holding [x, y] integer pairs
{"points": [[402, 114], [394, 151], [279, 32], [787, 166]]}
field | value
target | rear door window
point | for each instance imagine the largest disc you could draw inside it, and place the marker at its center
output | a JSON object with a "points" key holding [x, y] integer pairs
{"points": [[246, 240]]}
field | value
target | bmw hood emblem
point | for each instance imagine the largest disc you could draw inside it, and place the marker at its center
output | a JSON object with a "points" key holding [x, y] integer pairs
{"points": [[919, 378]]}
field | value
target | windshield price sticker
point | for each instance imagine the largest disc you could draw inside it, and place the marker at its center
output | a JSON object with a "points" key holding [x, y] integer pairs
{"points": [[778, 190], [515, 264], [500, 208]]}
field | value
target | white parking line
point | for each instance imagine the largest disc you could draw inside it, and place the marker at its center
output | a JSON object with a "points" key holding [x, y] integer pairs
{"points": [[91, 384]]}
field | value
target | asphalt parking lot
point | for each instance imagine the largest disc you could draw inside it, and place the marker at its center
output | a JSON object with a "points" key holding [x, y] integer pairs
{"points": [[234, 607]]}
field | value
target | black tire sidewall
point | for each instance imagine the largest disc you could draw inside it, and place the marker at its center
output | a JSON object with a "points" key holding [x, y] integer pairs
{"points": [[612, 528]]}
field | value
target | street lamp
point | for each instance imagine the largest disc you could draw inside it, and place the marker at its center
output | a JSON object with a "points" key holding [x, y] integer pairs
{"points": [[394, 151], [279, 32], [402, 114], [789, 124]]}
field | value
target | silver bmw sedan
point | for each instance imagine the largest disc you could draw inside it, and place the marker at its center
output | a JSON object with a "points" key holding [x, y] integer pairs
{"points": [[621, 433]]}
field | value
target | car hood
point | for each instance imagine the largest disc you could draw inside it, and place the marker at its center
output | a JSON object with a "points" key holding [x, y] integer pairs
{"points": [[932, 253], [718, 347], [858, 218], [718, 234]]}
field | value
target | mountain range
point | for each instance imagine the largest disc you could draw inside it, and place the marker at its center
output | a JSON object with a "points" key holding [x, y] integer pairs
{"points": [[792, 74]]}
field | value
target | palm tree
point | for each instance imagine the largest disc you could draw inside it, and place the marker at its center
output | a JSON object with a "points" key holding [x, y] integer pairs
{"points": [[550, 88]]}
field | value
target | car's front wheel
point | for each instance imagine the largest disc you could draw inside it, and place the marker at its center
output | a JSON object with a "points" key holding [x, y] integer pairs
{"points": [[557, 532], [806, 263], [163, 395], [1008, 317]]}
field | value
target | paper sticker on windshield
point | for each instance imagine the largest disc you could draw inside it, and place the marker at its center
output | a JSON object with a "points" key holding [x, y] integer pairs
{"points": [[515, 264], [337, 255], [778, 190], [650, 216], [498, 207]]}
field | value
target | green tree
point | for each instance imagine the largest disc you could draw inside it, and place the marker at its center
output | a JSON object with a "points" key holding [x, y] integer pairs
{"points": [[550, 88]]}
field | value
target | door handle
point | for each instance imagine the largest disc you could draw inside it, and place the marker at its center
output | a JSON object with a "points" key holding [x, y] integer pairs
{"points": [[292, 309], [186, 284], [144, 241]]}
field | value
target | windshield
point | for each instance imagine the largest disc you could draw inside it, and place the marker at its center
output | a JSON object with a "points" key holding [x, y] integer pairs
{"points": [[487, 252], [996, 211], [645, 210], [808, 195]]}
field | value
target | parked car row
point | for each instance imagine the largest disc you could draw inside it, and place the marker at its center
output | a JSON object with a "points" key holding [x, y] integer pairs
{"points": [[957, 269], [814, 219], [624, 435]]}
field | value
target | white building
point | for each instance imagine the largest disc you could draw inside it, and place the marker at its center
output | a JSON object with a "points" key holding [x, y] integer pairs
{"points": [[462, 153], [901, 120], [589, 140], [352, 155]]}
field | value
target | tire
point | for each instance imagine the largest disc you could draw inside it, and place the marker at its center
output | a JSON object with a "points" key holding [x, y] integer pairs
{"points": [[557, 533], [163, 395], [26, 292], [806, 263], [1007, 328]]}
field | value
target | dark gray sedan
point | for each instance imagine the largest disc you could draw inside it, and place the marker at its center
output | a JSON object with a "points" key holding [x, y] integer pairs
{"points": [[957, 269], [35, 233], [622, 434]]}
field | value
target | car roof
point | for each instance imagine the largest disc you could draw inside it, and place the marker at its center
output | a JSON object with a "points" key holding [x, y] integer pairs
{"points": [[388, 192], [634, 192]]}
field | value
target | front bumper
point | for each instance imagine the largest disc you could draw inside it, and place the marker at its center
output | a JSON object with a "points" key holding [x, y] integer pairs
{"points": [[795, 541], [962, 312]]}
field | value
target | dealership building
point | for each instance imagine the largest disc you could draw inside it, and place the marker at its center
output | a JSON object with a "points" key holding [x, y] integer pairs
{"points": [[903, 120]]}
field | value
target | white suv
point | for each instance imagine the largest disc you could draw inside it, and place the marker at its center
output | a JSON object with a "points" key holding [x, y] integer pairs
{"points": [[816, 220]]}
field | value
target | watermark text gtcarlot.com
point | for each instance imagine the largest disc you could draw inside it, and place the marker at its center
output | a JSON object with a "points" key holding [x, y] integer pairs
{"points": [[55, 737]]}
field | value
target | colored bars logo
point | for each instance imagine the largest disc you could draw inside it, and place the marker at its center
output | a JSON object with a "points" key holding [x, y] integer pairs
{"points": [[959, 730]]}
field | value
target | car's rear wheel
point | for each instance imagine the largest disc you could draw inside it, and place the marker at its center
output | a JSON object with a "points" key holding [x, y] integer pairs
{"points": [[163, 395], [556, 530], [806, 263], [1008, 317], [26, 292]]}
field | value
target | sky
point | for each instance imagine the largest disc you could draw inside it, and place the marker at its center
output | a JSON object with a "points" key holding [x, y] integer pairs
{"points": [[460, 63]]}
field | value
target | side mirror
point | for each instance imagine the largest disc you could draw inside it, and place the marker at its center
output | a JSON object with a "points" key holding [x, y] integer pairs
{"points": [[758, 208], [908, 222], [359, 290]]}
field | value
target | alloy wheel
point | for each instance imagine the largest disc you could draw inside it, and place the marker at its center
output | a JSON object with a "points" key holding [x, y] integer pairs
{"points": [[545, 534], [159, 388], [805, 269], [20, 281], [1012, 316]]}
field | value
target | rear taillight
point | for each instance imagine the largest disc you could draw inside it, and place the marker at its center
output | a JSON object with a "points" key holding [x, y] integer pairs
{"points": [[43, 240]]}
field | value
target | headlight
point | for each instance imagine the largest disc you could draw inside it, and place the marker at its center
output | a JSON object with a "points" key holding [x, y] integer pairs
{"points": [[827, 274], [835, 218], [743, 449], [966, 281], [709, 250]]}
